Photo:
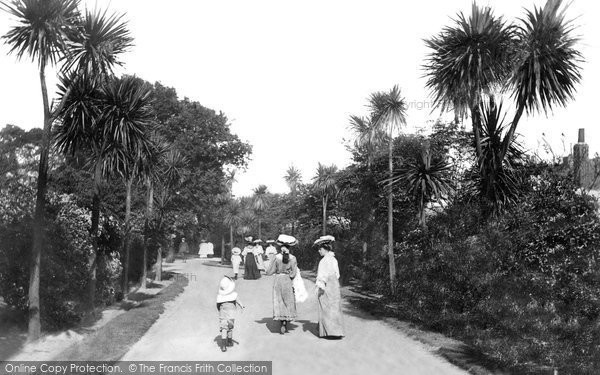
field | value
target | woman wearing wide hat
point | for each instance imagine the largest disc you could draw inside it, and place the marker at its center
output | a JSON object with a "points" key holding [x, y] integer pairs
{"points": [[251, 271], [258, 254], [328, 290], [284, 267]]}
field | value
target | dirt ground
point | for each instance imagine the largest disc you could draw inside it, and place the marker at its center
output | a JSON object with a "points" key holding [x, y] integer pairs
{"points": [[188, 330]]}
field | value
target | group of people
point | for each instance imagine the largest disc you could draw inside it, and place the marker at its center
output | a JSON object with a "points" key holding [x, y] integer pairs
{"points": [[284, 266], [204, 249]]}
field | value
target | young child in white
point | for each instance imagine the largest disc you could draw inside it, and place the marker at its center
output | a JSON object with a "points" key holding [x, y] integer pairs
{"points": [[227, 303]]}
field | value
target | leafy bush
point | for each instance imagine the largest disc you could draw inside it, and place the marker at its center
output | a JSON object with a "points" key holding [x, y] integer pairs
{"points": [[524, 288]]}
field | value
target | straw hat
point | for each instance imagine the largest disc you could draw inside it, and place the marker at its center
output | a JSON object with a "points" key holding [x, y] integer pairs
{"points": [[287, 240], [258, 241], [324, 240], [226, 290], [248, 239]]}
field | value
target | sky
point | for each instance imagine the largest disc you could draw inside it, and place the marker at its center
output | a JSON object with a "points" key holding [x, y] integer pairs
{"points": [[288, 74]]}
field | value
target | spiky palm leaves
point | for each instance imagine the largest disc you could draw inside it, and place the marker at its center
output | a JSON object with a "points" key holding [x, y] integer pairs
{"points": [[535, 61], [368, 138], [259, 203], [427, 180], [292, 178], [325, 183]]}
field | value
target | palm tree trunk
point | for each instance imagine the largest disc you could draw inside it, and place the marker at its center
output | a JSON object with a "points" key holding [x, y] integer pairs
{"points": [[231, 236], [476, 120], [149, 207], [511, 131], [259, 226], [93, 258], [392, 261], [324, 230], [34, 325], [158, 275], [126, 243], [223, 249]]}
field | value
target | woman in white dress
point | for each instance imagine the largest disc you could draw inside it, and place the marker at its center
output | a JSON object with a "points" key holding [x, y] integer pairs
{"points": [[258, 253], [328, 291]]}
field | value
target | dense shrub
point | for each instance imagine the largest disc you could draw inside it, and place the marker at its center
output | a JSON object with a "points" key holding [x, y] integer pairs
{"points": [[524, 288], [64, 263]]}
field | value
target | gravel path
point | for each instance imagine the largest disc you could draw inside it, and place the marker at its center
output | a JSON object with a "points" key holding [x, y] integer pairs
{"points": [[188, 330]]}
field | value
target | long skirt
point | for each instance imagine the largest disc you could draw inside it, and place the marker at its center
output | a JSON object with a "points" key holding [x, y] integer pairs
{"points": [[284, 302], [251, 271], [235, 261], [330, 309], [260, 263]]}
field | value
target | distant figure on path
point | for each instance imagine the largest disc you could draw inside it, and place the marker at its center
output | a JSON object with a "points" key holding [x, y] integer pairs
{"points": [[205, 249], [328, 291], [183, 249], [258, 253], [270, 253], [227, 303], [251, 271], [284, 267], [236, 259]]}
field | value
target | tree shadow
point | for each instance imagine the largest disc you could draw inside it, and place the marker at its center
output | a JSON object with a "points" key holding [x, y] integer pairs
{"points": [[217, 263], [13, 331]]}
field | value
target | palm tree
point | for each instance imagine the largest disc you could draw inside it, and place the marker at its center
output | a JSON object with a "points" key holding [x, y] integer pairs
{"points": [[368, 138], [388, 114], [259, 203], [292, 178], [232, 217], [44, 28], [535, 61], [171, 174], [425, 179], [325, 182], [108, 123]]}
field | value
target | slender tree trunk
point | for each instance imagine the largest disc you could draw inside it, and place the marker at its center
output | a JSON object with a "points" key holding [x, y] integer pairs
{"points": [[231, 236], [392, 260], [223, 249], [93, 258], [324, 215], [149, 208], [476, 120], [34, 326], [158, 275], [259, 226], [126, 240], [511, 131]]}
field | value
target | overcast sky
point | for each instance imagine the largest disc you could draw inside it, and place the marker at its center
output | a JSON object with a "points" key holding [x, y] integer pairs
{"points": [[288, 74]]}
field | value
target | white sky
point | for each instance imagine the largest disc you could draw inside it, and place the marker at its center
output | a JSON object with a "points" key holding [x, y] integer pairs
{"points": [[288, 74]]}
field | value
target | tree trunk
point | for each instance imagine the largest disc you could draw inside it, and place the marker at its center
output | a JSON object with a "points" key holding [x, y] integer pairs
{"points": [[223, 249], [93, 257], [392, 260], [231, 236], [324, 215], [258, 226], [126, 240], [158, 276], [364, 252], [171, 254], [149, 207], [34, 326]]}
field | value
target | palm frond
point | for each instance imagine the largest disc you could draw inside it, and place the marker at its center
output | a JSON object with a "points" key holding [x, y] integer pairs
{"points": [[388, 110], [45, 28]]}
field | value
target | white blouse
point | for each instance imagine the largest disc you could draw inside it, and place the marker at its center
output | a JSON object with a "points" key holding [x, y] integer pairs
{"points": [[328, 267]]}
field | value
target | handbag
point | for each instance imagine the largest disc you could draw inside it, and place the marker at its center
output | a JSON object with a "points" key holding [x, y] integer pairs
{"points": [[300, 292]]}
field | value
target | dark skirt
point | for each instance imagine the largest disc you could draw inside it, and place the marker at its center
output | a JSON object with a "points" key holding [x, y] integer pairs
{"points": [[330, 310], [251, 271], [284, 301]]}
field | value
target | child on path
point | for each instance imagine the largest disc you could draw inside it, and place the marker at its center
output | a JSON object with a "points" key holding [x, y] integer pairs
{"points": [[227, 302]]}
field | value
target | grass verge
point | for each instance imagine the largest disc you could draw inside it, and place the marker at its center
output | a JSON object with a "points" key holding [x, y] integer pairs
{"points": [[113, 340]]}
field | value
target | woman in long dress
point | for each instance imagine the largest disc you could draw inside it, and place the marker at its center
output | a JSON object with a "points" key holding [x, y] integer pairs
{"points": [[236, 259], [251, 271], [270, 253], [258, 254], [328, 291], [284, 267]]}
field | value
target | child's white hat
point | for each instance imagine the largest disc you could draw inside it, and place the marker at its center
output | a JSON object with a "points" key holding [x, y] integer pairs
{"points": [[226, 290]]}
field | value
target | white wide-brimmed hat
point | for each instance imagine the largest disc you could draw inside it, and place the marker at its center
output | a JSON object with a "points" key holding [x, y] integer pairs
{"points": [[324, 239], [248, 238], [288, 240], [226, 290], [257, 241]]}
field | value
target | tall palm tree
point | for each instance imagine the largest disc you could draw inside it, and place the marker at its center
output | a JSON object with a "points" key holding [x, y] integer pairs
{"points": [[325, 182], [292, 178], [388, 114], [260, 203], [43, 30], [106, 121], [232, 217], [534, 61], [171, 174], [368, 138], [426, 180]]}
